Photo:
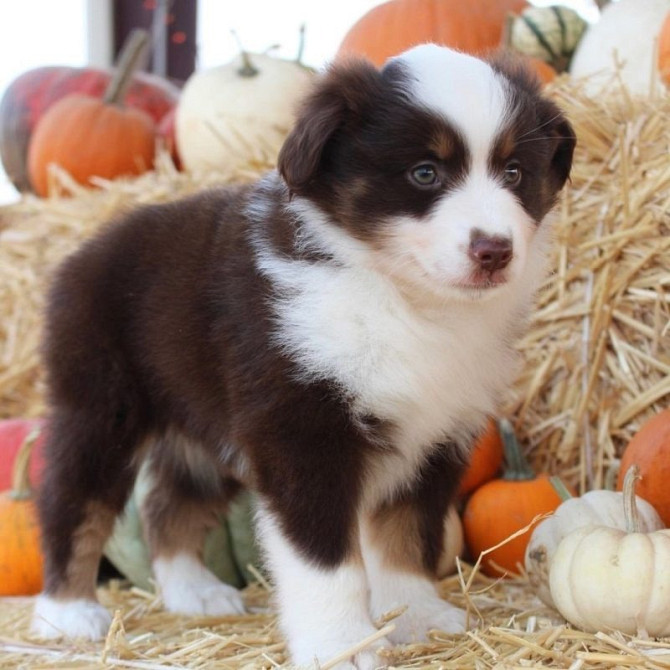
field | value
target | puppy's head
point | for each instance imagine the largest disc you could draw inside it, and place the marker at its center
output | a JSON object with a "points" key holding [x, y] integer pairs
{"points": [[443, 165]]}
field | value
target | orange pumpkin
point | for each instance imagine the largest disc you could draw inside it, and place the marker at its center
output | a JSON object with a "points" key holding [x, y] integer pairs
{"points": [[546, 74], [664, 50], [501, 507], [475, 27], [650, 449], [485, 460], [89, 137], [20, 556]]}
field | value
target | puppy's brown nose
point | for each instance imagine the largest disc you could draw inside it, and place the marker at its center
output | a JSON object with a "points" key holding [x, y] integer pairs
{"points": [[491, 253]]}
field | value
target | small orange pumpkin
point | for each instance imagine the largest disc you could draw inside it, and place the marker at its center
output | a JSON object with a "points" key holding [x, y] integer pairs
{"points": [[475, 27], [89, 137], [664, 50], [501, 507], [485, 460], [650, 449], [20, 556], [545, 72]]}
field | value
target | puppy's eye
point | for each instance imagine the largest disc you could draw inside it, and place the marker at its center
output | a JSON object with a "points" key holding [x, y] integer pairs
{"points": [[512, 173], [424, 175]]}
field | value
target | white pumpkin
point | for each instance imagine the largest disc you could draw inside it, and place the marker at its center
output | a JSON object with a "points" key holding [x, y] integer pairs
{"points": [[232, 116], [629, 29], [454, 543], [603, 508], [548, 33], [611, 579]]}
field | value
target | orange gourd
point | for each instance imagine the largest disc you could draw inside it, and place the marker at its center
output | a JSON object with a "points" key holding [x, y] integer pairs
{"points": [[475, 26], [20, 555], [89, 137], [485, 460], [664, 50], [501, 507], [545, 73], [650, 449]]}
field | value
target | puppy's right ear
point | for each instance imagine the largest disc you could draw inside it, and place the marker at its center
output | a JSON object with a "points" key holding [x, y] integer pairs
{"points": [[342, 95]]}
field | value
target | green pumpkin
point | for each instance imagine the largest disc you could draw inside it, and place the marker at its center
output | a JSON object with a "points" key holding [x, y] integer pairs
{"points": [[548, 33], [228, 549]]}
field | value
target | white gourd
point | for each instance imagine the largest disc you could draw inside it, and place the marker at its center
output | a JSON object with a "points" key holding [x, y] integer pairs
{"points": [[626, 32], [232, 116], [598, 507], [604, 578]]}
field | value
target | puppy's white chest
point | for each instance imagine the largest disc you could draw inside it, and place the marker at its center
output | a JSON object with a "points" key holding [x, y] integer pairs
{"points": [[427, 374]]}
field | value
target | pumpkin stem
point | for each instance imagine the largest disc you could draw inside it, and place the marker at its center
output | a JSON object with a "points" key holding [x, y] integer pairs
{"points": [[132, 54], [560, 488], [21, 488], [248, 69], [301, 44], [517, 467], [629, 501]]}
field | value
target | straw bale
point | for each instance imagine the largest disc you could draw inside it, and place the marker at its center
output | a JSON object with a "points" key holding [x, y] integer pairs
{"points": [[597, 356]]}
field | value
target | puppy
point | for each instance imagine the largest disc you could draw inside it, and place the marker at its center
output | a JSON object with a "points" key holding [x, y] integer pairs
{"points": [[333, 336]]}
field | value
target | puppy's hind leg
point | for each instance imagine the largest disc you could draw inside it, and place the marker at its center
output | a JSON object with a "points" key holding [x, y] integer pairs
{"points": [[88, 475], [188, 496]]}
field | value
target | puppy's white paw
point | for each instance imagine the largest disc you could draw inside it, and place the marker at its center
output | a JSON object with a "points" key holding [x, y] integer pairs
{"points": [[188, 587], [433, 614], [79, 618]]}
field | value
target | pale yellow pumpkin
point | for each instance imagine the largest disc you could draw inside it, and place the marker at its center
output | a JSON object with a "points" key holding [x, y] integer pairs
{"points": [[236, 115], [604, 578], [603, 508]]}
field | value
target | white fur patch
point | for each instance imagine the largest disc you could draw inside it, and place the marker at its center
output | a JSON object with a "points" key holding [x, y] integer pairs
{"points": [[391, 589], [463, 89], [188, 587], [54, 618], [322, 612]]}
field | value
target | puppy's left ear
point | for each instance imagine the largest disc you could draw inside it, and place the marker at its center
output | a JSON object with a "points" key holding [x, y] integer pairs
{"points": [[561, 161], [340, 97]]}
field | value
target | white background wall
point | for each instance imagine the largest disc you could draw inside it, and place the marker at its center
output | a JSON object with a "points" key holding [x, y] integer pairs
{"points": [[53, 32]]}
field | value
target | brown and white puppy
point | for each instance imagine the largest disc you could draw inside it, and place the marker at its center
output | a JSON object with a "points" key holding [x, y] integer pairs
{"points": [[333, 336]]}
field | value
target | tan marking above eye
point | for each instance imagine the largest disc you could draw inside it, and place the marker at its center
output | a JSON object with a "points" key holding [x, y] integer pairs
{"points": [[442, 144], [505, 145]]}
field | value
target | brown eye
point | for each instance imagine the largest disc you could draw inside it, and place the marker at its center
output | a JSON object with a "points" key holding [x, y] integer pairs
{"points": [[512, 173], [424, 175]]}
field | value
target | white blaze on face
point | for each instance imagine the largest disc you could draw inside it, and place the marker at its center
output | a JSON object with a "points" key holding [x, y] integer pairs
{"points": [[472, 98]]}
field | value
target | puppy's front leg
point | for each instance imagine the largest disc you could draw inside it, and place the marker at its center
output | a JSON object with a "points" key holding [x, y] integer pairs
{"points": [[401, 543], [323, 610]]}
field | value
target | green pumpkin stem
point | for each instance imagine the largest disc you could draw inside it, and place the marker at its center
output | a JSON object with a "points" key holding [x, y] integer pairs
{"points": [[130, 60], [517, 467], [629, 501], [21, 488], [560, 488], [248, 69]]}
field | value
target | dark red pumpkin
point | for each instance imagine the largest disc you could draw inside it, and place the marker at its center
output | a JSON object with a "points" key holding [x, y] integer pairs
{"points": [[33, 92], [13, 432]]}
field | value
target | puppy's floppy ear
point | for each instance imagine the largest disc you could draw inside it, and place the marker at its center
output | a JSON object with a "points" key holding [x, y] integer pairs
{"points": [[561, 161], [340, 97]]}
